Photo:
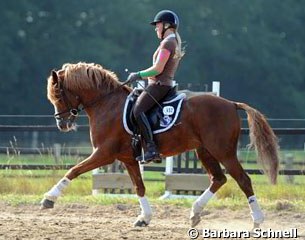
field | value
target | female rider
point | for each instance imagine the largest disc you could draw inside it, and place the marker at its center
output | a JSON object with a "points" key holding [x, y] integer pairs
{"points": [[160, 78]]}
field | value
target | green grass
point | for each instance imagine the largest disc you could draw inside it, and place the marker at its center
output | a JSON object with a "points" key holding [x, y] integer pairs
{"points": [[245, 155], [38, 159], [24, 189], [28, 186]]}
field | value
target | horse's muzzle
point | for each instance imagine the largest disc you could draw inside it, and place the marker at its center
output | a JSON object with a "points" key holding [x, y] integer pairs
{"points": [[66, 125]]}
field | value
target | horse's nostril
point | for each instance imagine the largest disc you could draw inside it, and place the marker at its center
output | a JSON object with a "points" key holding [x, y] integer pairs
{"points": [[60, 125]]}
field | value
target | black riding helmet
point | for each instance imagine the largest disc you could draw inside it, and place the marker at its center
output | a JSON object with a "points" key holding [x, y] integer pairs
{"points": [[166, 16]]}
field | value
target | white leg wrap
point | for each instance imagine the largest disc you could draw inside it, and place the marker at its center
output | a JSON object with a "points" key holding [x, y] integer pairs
{"points": [[255, 210], [198, 205], [202, 200], [146, 211], [56, 190]]}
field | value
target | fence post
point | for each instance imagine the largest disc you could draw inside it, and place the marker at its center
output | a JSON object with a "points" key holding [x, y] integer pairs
{"points": [[216, 88], [289, 158], [34, 139], [96, 171], [57, 152], [141, 85], [168, 170]]}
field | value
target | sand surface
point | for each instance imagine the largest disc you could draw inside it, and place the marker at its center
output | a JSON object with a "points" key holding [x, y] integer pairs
{"points": [[78, 221]]}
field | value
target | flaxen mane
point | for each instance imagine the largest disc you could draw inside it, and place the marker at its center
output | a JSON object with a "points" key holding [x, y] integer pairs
{"points": [[88, 76], [81, 76]]}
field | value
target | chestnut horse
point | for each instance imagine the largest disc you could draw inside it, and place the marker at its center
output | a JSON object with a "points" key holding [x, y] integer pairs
{"points": [[208, 123]]}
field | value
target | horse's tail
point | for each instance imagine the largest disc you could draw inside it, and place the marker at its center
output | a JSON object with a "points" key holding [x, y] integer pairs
{"points": [[263, 139]]}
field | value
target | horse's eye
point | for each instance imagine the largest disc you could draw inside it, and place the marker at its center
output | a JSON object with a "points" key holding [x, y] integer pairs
{"points": [[74, 112]]}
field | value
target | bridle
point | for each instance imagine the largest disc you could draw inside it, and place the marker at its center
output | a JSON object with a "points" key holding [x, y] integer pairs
{"points": [[73, 112]]}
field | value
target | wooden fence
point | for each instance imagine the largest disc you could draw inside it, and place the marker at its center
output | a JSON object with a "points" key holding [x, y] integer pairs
{"points": [[184, 163], [186, 175]]}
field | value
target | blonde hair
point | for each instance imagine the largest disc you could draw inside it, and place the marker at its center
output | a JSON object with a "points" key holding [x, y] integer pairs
{"points": [[180, 51]]}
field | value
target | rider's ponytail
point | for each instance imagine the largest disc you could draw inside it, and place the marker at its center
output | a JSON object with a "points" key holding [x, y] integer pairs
{"points": [[179, 50]]}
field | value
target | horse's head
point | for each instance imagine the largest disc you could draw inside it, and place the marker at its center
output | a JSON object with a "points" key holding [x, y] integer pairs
{"points": [[75, 84], [64, 101]]}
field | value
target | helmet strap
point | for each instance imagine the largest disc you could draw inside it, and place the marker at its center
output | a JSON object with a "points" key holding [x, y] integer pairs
{"points": [[165, 26]]}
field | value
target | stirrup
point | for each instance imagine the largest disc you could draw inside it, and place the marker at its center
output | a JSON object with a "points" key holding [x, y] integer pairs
{"points": [[154, 156], [159, 160]]}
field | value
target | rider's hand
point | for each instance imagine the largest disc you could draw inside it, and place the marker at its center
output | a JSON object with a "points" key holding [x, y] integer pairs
{"points": [[134, 76]]}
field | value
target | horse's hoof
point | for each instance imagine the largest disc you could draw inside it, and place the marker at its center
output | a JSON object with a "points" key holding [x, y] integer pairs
{"points": [[255, 226], [195, 219], [140, 223], [45, 203]]}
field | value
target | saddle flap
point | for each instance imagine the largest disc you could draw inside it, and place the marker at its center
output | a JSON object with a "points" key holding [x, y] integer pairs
{"points": [[161, 118]]}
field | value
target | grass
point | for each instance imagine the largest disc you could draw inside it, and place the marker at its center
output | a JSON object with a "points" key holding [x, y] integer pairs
{"points": [[16, 158], [28, 186], [24, 189]]}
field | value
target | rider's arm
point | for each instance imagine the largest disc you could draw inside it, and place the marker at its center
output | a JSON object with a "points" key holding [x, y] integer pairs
{"points": [[158, 65]]}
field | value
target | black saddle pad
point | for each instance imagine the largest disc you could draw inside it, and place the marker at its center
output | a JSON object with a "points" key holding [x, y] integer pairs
{"points": [[161, 118]]}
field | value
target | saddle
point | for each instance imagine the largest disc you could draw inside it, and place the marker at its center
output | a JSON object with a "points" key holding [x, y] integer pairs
{"points": [[161, 117]]}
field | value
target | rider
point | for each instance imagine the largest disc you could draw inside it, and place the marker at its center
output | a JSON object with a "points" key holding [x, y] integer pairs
{"points": [[160, 77]]}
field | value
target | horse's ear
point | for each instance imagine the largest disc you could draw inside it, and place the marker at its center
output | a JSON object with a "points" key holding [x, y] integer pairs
{"points": [[54, 77]]}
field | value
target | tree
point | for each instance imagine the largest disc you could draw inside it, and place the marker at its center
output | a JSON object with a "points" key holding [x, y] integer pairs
{"points": [[255, 49]]}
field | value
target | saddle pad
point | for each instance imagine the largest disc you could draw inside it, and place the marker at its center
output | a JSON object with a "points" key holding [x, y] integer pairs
{"points": [[161, 119]]}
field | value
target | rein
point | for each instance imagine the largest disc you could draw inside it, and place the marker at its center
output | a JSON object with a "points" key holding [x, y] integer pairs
{"points": [[75, 111]]}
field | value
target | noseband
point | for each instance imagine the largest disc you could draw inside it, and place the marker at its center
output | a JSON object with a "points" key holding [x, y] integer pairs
{"points": [[69, 108], [75, 111]]}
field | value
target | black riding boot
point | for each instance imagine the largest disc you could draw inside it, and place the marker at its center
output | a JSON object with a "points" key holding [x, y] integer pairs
{"points": [[151, 153]]}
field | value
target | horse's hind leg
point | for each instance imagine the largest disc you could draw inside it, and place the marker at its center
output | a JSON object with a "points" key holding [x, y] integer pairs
{"points": [[235, 169], [217, 179], [136, 178]]}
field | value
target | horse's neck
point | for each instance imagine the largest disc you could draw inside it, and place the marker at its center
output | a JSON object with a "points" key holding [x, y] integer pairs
{"points": [[107, 108]]}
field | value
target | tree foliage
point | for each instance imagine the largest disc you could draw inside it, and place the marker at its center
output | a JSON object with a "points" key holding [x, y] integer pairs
{"points": [[254, 48]]}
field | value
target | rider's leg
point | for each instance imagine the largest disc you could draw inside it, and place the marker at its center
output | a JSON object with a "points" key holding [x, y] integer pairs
{"points": [[146, 132], [145, 102]]}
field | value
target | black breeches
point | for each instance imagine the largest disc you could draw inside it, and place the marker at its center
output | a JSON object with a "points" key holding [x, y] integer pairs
{"points": [[145, 102]]}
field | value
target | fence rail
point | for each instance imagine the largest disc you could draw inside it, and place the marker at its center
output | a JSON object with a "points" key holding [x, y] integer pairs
{"points": [[189, 166], [53, 128], [291, 172]]}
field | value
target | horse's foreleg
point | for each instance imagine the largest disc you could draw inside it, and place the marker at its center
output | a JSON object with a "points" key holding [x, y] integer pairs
{"points": [[51, 196], [92, 162], [146, 213], [217, 179]]}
